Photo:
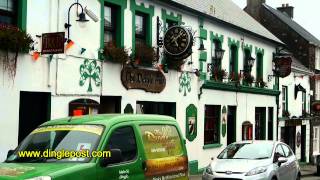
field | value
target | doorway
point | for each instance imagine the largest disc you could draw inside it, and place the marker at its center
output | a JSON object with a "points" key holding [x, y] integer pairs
{"points": [[288, 136], [35, 109], [270, 123], [110, 104], [162, 108], [231, 124], [303, 143], [260, 123]]}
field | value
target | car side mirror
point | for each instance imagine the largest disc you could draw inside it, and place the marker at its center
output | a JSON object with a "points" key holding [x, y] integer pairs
{"points": [[10, 152], [115, 157], [282, 160]]}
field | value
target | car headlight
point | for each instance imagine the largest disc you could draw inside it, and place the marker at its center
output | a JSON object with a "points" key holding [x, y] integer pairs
{"points": [[257, 170], [208, 170], [40, 178]]}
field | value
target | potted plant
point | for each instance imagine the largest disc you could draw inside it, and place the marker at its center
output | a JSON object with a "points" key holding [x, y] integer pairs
{"points": [[219, 74], [116, 54], [248, 79], [233, 78], [13, 41], [260, 83], [285, 113], [144, 54]]}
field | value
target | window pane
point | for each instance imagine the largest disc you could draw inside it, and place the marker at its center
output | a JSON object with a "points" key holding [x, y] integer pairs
{"points": [[286, 150], [6, 5], [124, 139], [140, 24], [212, 130], [278, 153], [108, 37], [107, 17]]}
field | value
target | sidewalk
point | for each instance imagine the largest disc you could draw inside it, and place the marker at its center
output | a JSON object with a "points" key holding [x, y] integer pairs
{"points": [[308, 170]]}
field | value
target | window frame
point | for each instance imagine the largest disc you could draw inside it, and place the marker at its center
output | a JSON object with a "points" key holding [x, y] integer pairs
{"points": [[136, 143], [143, 36], [217, 125], [114, 24], [13, 15], [284, 100]]}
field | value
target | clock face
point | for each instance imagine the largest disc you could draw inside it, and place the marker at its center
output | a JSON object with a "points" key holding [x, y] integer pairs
{"points": [[177, 41]]}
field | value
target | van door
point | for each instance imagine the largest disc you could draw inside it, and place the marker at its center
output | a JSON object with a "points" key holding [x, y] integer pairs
{"points": [[165, 154], [124, 138]]}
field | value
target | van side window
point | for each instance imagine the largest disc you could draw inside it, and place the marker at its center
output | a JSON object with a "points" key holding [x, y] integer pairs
{"points": [[287, 151], [123, 138]]}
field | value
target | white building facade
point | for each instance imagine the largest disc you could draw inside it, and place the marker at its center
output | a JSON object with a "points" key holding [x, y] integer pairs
{"points": [[211, 111]]}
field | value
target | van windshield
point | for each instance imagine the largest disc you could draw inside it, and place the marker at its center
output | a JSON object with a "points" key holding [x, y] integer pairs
{"points": [[63, 143]]}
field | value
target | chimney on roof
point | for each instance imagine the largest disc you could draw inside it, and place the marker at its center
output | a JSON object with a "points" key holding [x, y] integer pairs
{"points": [[253, 8], [286, 9]]}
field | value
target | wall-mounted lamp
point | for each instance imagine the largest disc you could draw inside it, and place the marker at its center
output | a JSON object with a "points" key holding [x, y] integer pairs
{"points": [[201, 48], [216, 59], [82, 18]]}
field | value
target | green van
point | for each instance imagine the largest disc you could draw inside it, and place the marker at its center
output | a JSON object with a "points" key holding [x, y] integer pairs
{"points": [[134, 147]]}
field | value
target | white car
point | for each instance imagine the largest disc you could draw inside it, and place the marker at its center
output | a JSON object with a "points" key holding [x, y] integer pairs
{"points": [[254, 160]]}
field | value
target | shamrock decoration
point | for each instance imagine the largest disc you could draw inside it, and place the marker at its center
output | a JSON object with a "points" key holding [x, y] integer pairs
{"points": [[90, 70], [184, 81]]}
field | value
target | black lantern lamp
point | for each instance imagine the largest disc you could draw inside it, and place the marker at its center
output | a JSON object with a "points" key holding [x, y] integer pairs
{"points": [[82, 18], [201, 48], [250, 61], [218, 53]]}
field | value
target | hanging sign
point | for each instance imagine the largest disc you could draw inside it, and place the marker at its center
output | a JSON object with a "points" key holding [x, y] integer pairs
{"points": [[316, 106], [191, 122], [282, 66], [146, 79], [53, 43]]}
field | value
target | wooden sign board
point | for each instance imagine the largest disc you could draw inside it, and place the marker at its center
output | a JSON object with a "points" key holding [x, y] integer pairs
{"points": [[53, 43], [146, 79], [283, 66]]}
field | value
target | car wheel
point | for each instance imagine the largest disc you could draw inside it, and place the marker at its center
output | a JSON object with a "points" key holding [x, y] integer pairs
{"points": [[274, 178], [298, 177]]}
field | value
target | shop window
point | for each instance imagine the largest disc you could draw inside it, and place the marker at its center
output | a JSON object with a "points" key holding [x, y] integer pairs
{"points": [[259, 66], [284, 99], [8, 12], [141, 30], [233, 69], [123, 138], [247, 131], [81, 107], [212, 124], [110, 25]]}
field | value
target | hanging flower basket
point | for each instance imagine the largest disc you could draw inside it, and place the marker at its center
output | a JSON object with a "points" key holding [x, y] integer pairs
{"points": [[116, 54], [248, 79], [144, 55], [13, 41], [260, 83], [219, 74], [286, 113]]}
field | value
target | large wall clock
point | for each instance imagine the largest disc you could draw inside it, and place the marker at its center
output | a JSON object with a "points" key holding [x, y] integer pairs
{"points": [[178, 42]]}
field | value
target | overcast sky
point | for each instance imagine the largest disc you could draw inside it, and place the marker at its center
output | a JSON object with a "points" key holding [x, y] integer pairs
{"points": [[306, 12]]}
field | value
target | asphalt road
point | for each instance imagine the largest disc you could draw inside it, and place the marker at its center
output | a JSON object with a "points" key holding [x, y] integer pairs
{"points": [[308, 173]]}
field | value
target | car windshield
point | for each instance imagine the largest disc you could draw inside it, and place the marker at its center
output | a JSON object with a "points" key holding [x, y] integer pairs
{"points": [[58, 140], [247, 151]]}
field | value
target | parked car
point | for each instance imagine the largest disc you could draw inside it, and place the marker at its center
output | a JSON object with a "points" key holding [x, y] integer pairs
{"points": [[141, 147], [254, 160]]}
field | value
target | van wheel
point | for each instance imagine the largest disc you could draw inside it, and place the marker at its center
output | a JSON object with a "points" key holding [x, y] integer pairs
{"points": [[274, 178]]}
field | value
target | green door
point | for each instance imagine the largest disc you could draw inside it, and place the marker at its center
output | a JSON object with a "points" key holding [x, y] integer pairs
{"points": [[123, 137]]}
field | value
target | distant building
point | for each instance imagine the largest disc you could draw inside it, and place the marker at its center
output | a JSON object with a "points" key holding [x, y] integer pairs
{"points": [[306, 50]]}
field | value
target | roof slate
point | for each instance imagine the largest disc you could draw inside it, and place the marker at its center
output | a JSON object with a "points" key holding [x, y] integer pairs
{"points": [[229, 12], [295, 26]]}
